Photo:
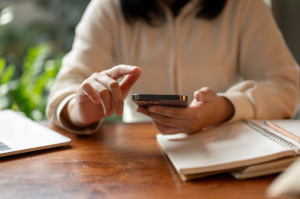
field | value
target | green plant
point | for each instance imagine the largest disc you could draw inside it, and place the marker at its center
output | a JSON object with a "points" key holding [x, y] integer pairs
{"points": [[26, 72], [6, 74], [28, 92]]}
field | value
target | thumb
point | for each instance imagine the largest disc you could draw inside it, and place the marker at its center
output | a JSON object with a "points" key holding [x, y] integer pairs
{"points": [[205, 94], [128, 81]]}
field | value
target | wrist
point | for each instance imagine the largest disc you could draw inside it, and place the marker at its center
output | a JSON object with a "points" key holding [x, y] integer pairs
{"points": [[227, 110], [69, 115]]}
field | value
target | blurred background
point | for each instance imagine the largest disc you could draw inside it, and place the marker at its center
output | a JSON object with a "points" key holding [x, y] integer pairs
{"points": [[36, 34]]}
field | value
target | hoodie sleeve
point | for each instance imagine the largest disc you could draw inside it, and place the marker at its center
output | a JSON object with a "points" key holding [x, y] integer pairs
{"points": [[91, 52], [270, 75]]}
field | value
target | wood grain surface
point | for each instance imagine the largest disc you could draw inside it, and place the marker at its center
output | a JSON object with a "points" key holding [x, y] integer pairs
{"points": [[119, 161]]}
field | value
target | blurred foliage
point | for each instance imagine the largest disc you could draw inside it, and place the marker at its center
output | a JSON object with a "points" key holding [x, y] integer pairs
{"points": [[30, 54], [28, 92], [67, 14], [56, 30]]}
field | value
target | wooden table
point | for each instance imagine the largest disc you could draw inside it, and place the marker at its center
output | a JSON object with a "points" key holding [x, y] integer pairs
{"points": [[120, 161]]}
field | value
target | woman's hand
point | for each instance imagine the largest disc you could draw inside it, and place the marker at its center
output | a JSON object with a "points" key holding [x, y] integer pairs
{"points": [[206, 109], [101, 95]]}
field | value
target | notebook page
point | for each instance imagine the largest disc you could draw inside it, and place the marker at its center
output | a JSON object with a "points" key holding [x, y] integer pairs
{"points": [[224, 147], [292, 126]]}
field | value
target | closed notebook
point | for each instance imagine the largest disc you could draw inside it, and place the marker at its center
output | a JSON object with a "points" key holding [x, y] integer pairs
{"points": [[231, 147], [19, 134]]}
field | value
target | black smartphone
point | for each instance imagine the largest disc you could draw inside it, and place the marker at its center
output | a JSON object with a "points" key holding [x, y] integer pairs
{"points": [[154, 99]]}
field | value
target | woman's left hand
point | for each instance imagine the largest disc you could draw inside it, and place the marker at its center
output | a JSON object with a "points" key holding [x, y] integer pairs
{"points": [[206, 109]]}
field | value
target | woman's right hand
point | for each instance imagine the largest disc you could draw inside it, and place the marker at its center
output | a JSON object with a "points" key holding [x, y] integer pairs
{"points": [[101, 95]]}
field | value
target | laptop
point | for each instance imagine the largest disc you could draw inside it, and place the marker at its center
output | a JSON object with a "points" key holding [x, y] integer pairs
{"points": [[19, 134]]}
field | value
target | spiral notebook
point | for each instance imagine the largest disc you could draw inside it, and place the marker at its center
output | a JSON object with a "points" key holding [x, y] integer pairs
{"points": [[244, 148], [19, 134]]}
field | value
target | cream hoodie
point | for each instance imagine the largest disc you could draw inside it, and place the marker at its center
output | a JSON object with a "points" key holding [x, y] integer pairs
{"points": [[240, 55]]}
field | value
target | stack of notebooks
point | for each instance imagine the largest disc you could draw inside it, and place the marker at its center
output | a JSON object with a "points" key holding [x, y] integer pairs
{"points": [[245, 149]]}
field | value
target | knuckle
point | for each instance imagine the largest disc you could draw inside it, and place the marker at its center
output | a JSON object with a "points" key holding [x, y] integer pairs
{"points": [[85, 85], [206, 90], [113, 85], [120, 66], [94, 75], [103, 93]]}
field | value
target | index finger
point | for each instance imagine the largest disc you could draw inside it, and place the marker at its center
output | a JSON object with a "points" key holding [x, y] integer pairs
{"points": [[121, 70]]}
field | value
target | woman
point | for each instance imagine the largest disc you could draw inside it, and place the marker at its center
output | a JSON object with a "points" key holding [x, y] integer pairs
{"points": [[227, 56]]}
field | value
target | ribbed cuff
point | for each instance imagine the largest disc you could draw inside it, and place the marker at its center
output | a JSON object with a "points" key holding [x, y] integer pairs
{"points": [[242, 105]]}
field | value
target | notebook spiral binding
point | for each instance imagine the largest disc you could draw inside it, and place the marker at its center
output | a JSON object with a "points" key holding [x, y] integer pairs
{"points": [[272, 136]]}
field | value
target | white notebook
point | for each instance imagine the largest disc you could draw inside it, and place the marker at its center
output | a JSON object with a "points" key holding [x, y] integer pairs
{"points": [[19, 134], [228, 147]]}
